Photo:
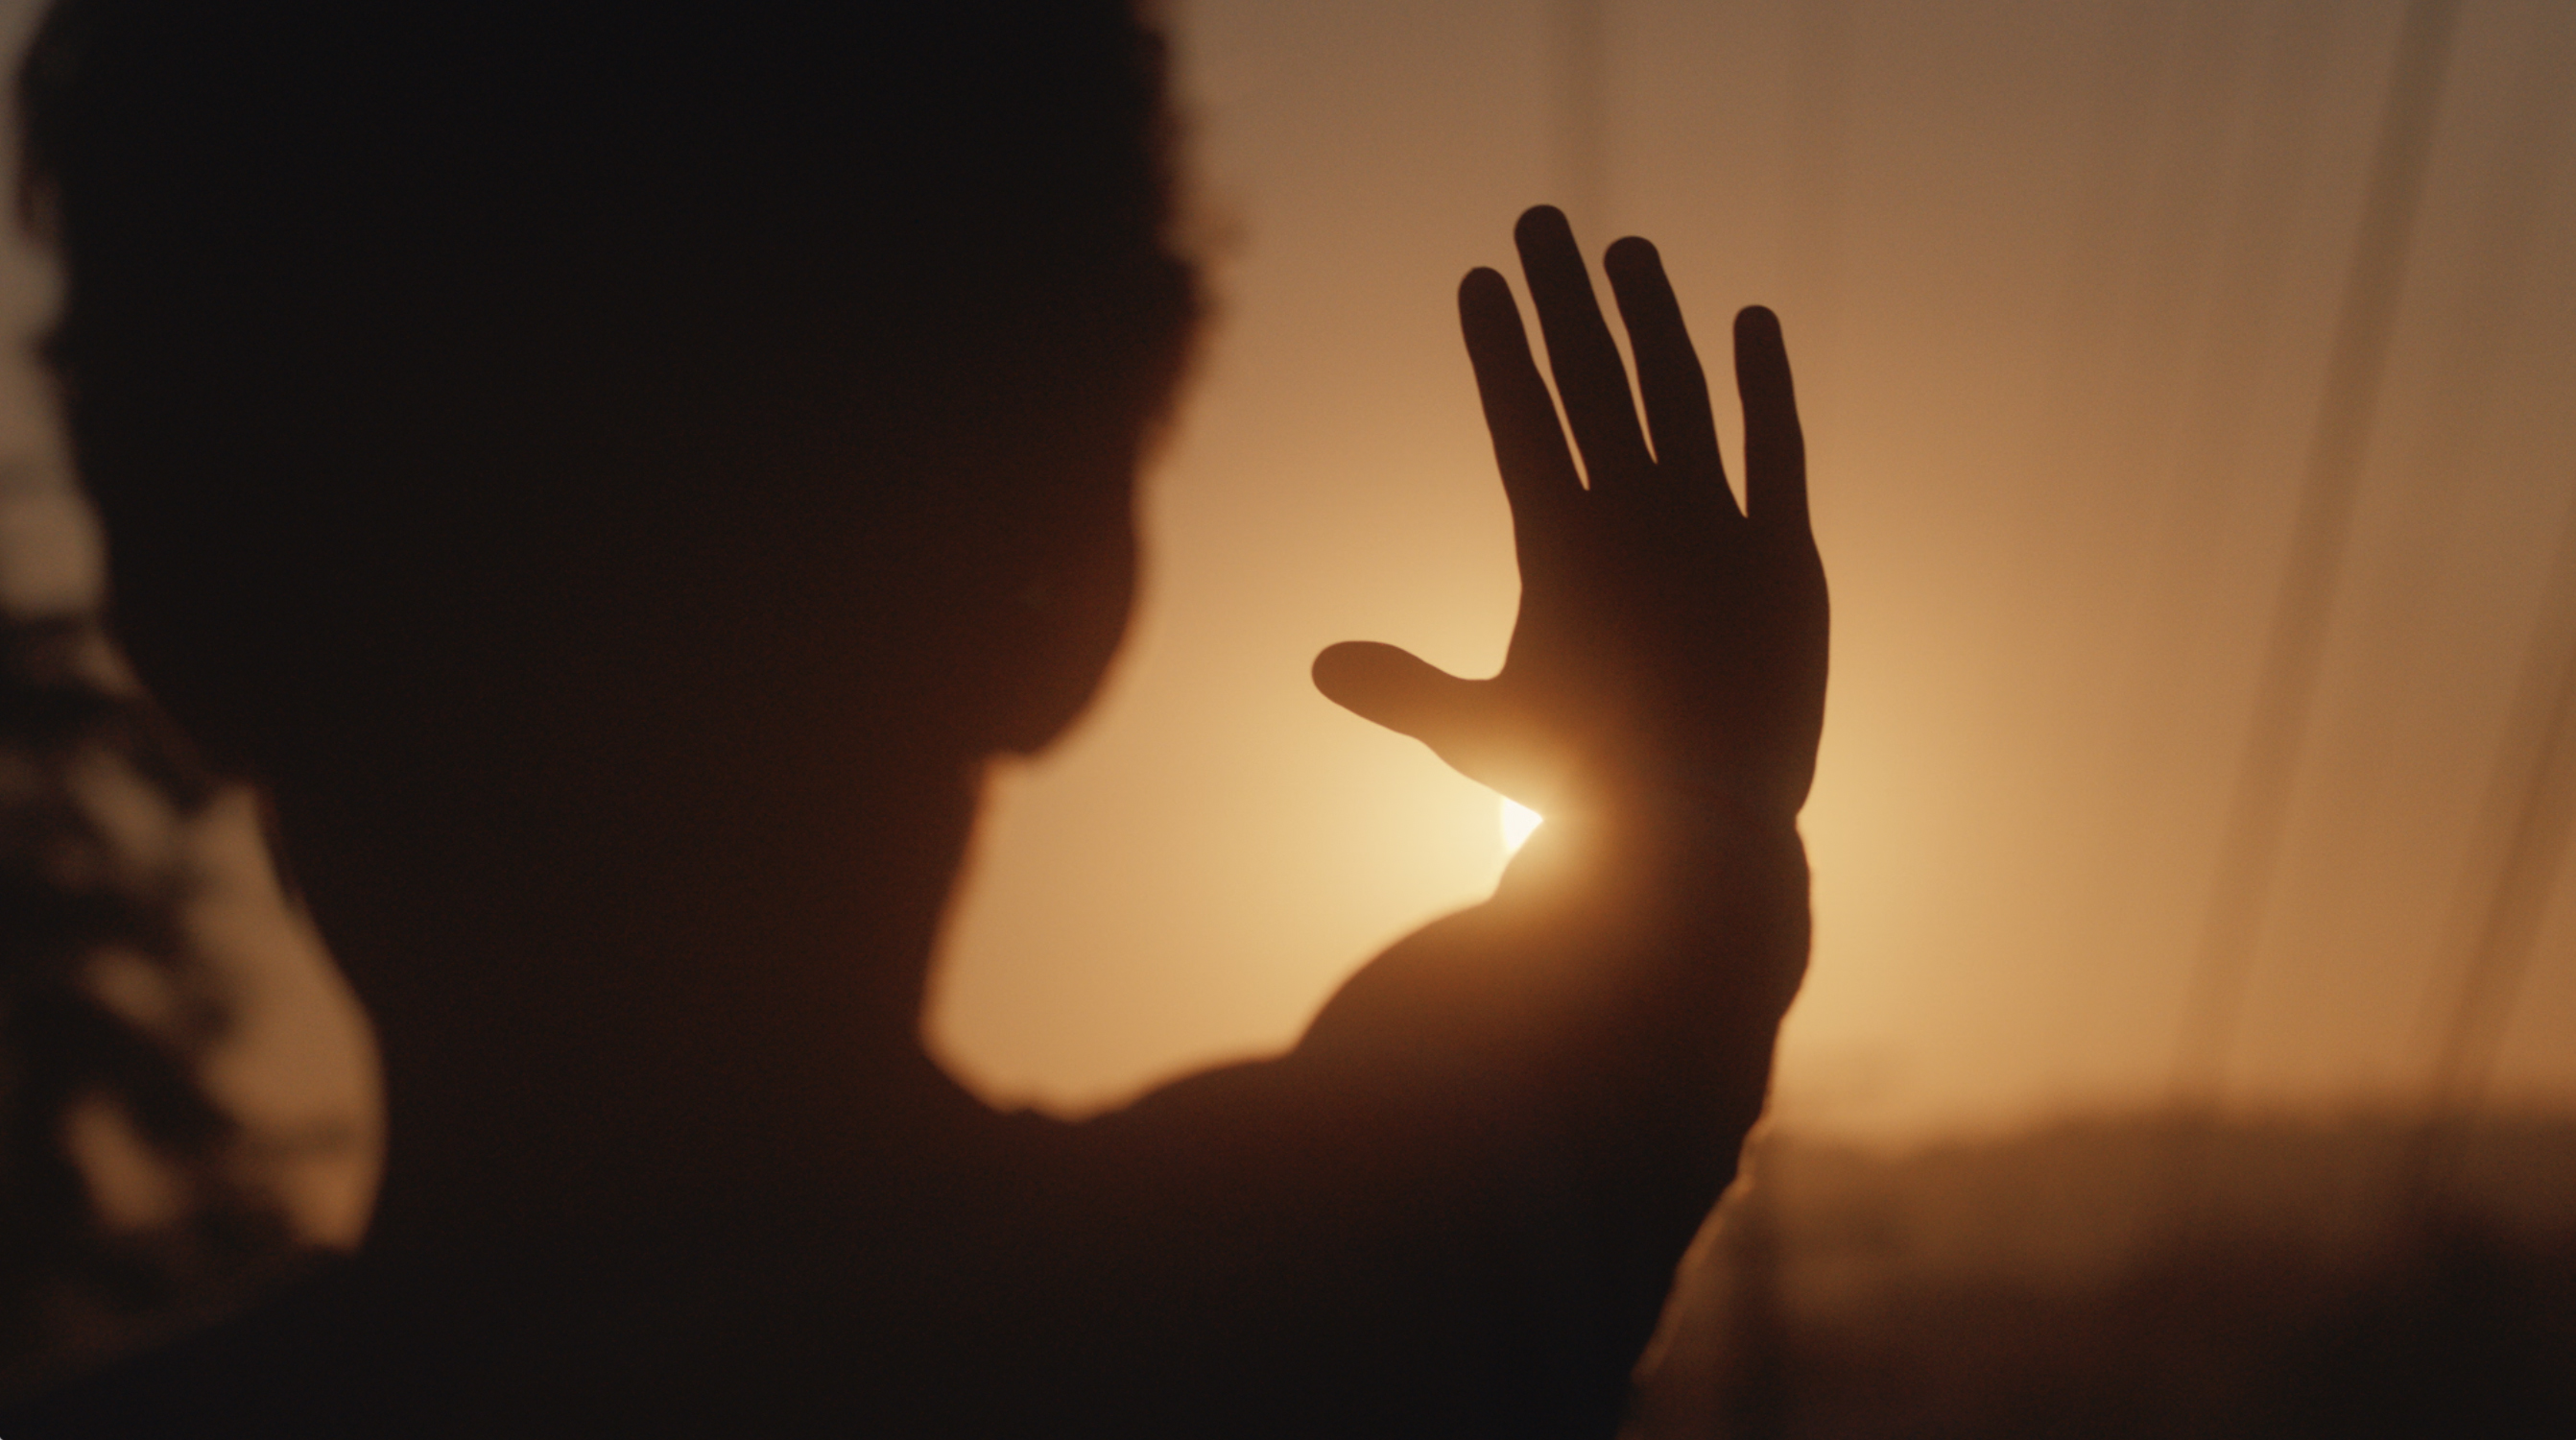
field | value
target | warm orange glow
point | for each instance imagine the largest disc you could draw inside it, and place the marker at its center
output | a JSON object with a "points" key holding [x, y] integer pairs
{"points": [[1518, 821], [2058, 359]]}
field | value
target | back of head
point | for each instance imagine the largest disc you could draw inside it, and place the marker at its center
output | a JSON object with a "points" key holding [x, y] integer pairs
{"points": [[408, 348]]}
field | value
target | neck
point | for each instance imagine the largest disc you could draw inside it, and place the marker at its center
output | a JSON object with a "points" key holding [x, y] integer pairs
{"points": [[608, 1012]]}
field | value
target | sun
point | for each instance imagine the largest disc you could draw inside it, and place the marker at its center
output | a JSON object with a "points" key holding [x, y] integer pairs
{"points": [[1518, 821]]}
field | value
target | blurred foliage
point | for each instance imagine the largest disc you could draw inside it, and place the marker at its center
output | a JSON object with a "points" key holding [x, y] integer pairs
{"points": [[2141, 1276], [126, 1197]]}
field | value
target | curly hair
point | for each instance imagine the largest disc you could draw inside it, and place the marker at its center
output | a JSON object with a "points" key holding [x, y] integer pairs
{"points": [[486, 271]]}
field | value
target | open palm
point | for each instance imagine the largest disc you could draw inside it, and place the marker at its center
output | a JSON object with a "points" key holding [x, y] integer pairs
{"points": [[1670, 647]]}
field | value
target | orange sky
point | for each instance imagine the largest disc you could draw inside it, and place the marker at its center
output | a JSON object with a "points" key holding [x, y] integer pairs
{"points": [[2059, 281]]}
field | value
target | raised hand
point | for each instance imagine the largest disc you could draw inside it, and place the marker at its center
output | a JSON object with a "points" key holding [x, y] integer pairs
{"points": [[1670, 647]]}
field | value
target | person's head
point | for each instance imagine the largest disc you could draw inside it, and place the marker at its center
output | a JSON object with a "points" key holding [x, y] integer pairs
{"points": [[459, 373]]}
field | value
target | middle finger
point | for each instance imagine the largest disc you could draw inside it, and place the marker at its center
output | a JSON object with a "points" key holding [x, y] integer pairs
{"points": [[1589, 376]]}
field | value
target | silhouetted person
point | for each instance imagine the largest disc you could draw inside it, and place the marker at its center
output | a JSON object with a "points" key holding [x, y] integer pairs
{"points": [[616, 473]]}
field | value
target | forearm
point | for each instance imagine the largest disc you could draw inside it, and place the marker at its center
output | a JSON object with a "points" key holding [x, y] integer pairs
{"points": [[1457, 1206], [1576, 1063], [1633, 968]]}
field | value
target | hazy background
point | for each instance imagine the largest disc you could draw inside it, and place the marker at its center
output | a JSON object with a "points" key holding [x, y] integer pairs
{"points": [[2059, 280]]}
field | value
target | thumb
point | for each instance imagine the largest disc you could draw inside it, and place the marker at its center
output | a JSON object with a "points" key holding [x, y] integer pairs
{"points": [[1396, 689]]}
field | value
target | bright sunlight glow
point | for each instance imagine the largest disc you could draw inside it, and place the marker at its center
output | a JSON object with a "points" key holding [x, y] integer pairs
{"points": [[1518, 821]]}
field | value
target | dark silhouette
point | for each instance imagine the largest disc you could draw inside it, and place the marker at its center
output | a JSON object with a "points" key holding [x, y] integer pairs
{"points": [[615, 474]]}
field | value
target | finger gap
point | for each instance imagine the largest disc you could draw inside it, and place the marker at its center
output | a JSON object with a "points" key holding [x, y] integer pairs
{"points": [[1729, 420], [1597, 276]]}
